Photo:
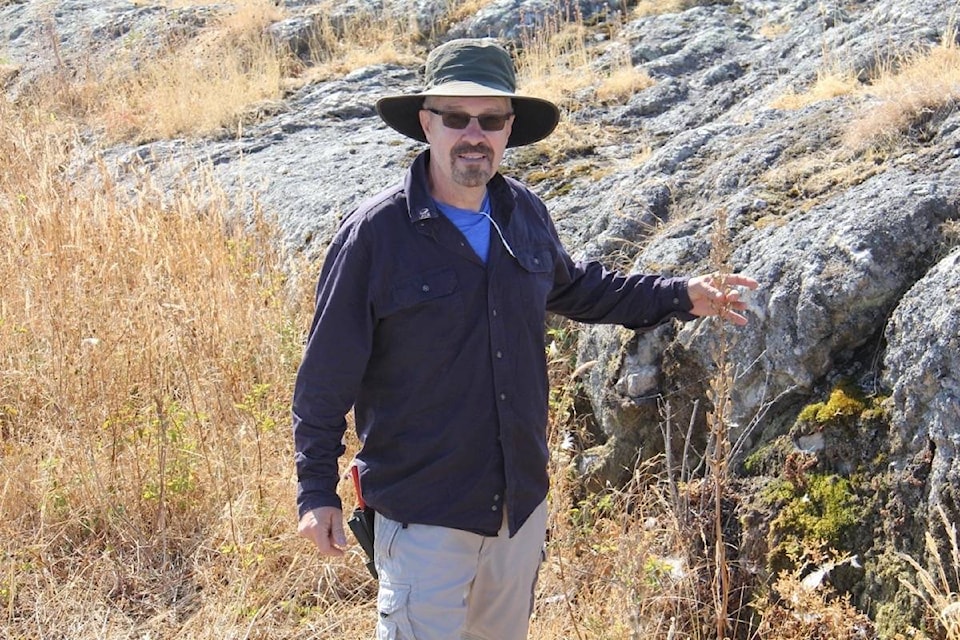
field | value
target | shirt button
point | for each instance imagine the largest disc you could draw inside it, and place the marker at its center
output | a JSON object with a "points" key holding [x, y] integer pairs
{"points": [[494, 508], [503, 396], [496, 498], [425, 288], [676, 301], [499, 355], [536, 261], [494, 313]]}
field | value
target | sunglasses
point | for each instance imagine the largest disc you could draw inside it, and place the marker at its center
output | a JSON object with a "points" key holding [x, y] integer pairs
{"points": [[460, 120]]}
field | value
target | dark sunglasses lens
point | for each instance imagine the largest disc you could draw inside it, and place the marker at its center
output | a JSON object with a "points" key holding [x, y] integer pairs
{"points": [[492, 122], [460, 120], [455, 120]]}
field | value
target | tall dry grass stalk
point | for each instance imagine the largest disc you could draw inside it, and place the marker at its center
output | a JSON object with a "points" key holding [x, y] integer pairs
{"points": [[937, 584], [718, 453]]}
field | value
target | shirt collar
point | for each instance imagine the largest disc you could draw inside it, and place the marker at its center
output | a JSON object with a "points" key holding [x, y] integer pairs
{"points": [[420, 204]]}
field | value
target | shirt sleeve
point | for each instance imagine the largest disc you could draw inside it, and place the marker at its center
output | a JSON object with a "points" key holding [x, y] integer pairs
{"points": [[588, 292], [336, 354]]}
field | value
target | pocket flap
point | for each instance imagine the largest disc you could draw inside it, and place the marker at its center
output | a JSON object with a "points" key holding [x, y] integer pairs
{"points": [[536, 260], [392, 598], [423, 287]]}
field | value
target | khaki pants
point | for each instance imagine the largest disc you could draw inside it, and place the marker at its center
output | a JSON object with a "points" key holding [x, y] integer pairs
{"points": [[446, 584]]}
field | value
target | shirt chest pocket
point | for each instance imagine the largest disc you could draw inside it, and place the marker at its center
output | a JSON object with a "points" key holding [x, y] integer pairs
{"points": [[536, 280], [425, 311]]}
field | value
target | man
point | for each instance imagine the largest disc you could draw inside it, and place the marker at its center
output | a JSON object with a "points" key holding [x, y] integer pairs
{"points": [[430, 324]]}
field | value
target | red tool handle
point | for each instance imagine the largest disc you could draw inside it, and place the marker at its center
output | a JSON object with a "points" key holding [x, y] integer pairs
{"points": [[355, 472]]}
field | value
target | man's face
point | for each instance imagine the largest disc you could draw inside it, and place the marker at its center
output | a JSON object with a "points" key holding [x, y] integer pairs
{"points": [[470, 156]]}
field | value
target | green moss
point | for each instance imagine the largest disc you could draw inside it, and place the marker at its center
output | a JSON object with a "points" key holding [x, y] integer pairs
{"points": [[823, 514], [768, 458], [843, 405], [778, 491]]}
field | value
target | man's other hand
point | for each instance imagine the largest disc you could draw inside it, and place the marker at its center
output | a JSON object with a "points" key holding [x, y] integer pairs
{"points": [[324, 527], [719, 295]]}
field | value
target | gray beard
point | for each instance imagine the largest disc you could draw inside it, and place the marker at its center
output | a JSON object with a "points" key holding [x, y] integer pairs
{"points": [[471, 177], [474, 176]]}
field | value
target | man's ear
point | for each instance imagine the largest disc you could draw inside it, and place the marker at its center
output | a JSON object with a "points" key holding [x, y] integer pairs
{"points": [[425, 122]]}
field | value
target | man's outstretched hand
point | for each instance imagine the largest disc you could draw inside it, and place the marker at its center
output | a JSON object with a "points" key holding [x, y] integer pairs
{"points": [[324, 527], [719, 295]]}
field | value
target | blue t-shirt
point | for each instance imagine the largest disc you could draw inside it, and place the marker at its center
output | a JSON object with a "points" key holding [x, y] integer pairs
{"points": [[472, 224]]}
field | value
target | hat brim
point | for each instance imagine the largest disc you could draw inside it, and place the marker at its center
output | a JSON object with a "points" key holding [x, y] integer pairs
{"points": [[534, 118]]}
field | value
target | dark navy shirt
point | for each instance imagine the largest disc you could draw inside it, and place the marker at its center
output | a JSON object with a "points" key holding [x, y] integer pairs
{"points": [[442, 357]]}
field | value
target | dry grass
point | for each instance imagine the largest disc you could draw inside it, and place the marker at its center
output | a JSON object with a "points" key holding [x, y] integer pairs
{"points": [[907, 93], [809, 179], [828, 85], [558, 63], [951, 235], [7, 73], [901, 98], [622, 83], [196, 85], [773, 30], [659, 7], [555, 64], [148, 348], [363, 40], [937, 583]]}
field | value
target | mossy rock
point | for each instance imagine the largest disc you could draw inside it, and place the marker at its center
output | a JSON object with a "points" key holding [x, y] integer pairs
{"points": [[846, 432], [824, 513], [768, 459], [844, 405]]}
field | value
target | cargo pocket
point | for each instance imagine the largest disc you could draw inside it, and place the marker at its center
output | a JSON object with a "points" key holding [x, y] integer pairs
{"points": [[394, 621]]}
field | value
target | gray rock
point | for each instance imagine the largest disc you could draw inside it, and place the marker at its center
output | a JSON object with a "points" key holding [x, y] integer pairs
{"points": [[921, 364], [517, 20]]}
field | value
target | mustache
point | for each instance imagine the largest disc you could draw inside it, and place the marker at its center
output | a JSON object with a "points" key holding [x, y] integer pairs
{"points": [[472, 148]]}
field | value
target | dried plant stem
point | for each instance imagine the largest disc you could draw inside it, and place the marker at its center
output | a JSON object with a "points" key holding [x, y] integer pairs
{"points": [[719, 452]]}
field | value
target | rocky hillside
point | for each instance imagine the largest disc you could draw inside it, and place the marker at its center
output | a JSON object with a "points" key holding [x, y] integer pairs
{"points": [[845, 402]]}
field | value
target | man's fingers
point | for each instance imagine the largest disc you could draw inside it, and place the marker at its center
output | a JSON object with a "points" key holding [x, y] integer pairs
{"points": [[734, 317], [737, 280], [324, 528], [339, 536]]}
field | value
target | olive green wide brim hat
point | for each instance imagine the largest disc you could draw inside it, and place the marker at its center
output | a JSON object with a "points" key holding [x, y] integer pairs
{"points": [[471, 68]]}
